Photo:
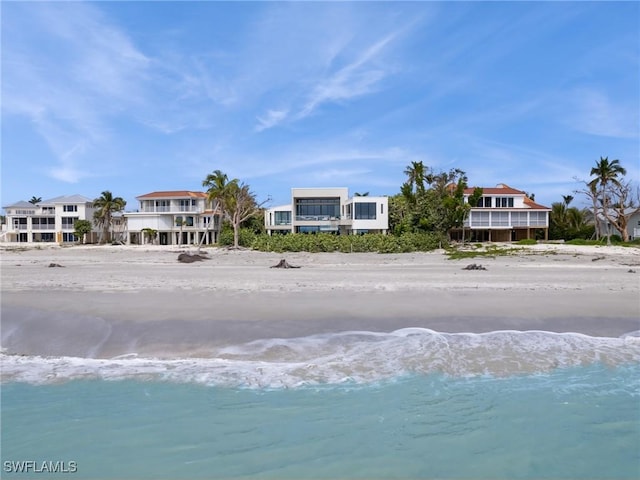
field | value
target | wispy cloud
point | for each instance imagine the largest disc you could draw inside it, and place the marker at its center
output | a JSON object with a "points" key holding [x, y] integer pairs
{"points": [[360, 77], [94, 73], [594, 112], [271, 119]]}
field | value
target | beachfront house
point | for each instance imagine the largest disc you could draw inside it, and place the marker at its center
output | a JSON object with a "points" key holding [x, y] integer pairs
{"points": [[330, 210], [633, 224], [48, 221], [173, 218], [504, 214]]}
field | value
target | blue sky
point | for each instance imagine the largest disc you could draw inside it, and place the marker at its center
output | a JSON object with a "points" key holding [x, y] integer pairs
{"points": [[134, 97]]}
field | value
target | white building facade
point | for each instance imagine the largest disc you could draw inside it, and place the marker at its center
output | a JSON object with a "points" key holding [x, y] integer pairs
{"points": [[50, 221], [504, 214], [329, 210], [173, 218]]}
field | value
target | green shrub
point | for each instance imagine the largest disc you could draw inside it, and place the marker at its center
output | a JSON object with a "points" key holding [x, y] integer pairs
{"points": [[527, 241], [326, 242], [246, 237]]}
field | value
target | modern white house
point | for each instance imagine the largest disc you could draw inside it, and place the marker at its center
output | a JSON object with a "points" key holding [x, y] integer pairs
{"points": [[504, 214], [178, 217], [48, 221], [331, 210]]}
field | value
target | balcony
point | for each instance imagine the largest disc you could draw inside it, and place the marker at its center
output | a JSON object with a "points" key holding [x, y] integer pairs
{"points": [[172, 209], [315, 218]]}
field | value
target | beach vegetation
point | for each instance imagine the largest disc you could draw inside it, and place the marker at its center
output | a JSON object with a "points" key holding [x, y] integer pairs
{"points": [[233, 201], [614, 200], [527, 241], [217, 184], [327, 242], [430, 201], [35, 200], [246, 237], [615, 240], [81, 229], [567, 222], [106, 206], [486, 250]]}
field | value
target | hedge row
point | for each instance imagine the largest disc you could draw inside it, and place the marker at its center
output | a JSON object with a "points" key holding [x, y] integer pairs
{"points": [[326, 242]]}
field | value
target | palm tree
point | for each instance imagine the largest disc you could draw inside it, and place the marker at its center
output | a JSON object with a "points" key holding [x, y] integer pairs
{"points": [[365, 194], [606, 172], [567, 199], [106, 206], [218, 190], [34, 200], [417, 175]]}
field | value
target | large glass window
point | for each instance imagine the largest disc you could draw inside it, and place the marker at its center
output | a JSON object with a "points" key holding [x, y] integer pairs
{"points": [[504, 202], [365, 211], [70, 208], [69, 237], [317, 208], [484, 202], [307, 229], [283, 218]]}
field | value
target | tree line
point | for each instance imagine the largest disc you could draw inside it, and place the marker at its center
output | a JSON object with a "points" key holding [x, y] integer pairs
{"points": [[429, 202], [613, 200]]}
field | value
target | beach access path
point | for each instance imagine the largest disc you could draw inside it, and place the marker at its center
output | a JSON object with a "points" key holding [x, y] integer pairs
{"points": [[111, 300]]}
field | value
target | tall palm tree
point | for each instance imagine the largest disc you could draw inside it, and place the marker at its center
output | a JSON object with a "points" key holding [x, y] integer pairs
{"points": [[567, 199], [218, 189], [417, 175], [35, 200], [106, 205], [606, 172]]}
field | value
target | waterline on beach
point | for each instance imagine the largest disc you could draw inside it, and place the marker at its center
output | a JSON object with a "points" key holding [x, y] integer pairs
{"points": [[342, 358]]}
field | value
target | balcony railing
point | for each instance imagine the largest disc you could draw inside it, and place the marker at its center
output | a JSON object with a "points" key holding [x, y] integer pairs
{"points": [[315, 218], [171, 209]]}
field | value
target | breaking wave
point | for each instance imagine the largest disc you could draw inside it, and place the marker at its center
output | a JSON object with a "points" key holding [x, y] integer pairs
{"points": [[347, 357]]}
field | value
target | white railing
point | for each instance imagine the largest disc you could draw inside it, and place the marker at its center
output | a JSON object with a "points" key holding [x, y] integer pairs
{"points": [[171, 209]]}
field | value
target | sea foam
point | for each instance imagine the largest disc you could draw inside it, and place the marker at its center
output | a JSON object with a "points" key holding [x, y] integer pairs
{"points": [[347, 357]]}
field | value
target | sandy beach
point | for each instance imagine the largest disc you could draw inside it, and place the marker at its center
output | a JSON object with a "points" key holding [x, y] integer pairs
{"points": [[104, 301]]}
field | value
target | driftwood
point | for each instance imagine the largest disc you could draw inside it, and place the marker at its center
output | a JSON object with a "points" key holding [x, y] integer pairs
{"points": [[474, 266], [51, 265], [189, 258], [284, 264]]}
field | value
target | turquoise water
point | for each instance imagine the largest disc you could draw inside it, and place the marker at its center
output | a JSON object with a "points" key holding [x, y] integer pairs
{"points": [[332, 407]]}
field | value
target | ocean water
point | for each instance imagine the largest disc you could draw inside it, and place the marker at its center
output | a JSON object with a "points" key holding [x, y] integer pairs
{"points": [[408, 404]]}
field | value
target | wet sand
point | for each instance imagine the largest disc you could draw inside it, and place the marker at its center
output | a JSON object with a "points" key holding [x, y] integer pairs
{"points": [[106, 301]]}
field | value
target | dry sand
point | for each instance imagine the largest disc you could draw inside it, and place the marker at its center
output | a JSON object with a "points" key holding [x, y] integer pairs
{"points": [[105, 301]]}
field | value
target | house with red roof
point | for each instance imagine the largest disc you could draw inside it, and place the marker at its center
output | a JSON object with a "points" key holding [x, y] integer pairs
{"points": [[176, 217], [504, 214]]}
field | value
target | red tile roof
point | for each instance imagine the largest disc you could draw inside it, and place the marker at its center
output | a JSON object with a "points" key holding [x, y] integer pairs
{"points": [[533, 205], [173, 194], [503, 189], [500, 189]]}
